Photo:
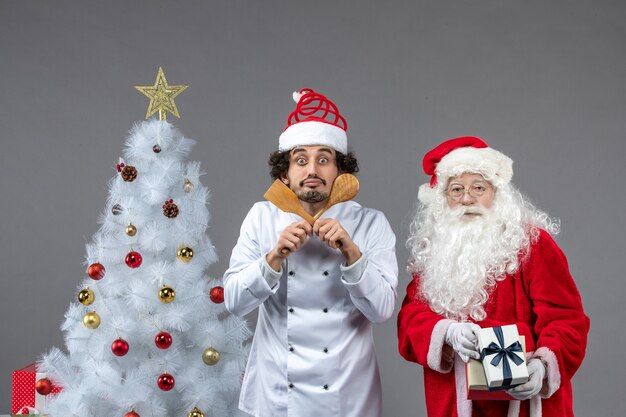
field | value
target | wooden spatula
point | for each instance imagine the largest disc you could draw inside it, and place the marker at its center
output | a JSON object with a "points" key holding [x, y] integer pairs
{"points": [[286, 200], [345, 188]]}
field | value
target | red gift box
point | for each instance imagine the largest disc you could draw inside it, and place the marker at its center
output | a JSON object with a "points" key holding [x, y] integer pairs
{"points": [[24, 392]]}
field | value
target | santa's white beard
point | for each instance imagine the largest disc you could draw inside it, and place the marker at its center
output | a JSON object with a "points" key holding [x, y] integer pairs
{"points": [[459, 259], [465, 258]]}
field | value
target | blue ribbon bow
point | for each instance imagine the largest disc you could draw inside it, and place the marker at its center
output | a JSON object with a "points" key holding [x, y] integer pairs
{"points": [[503, 352]]}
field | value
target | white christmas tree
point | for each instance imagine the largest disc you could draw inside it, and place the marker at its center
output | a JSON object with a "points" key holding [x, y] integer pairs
{"points": [[149, 335]]}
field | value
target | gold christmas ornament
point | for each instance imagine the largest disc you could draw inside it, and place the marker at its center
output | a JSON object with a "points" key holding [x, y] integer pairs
{"points": [[195, 413], [167, 294], [131, 230], [86, 297], [210, 356], [91, 320], [185, 253], [161, 96], [188, 186]]}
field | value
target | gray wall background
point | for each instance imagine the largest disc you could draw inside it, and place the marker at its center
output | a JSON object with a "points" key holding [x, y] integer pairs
{"points": [[542, 81]]}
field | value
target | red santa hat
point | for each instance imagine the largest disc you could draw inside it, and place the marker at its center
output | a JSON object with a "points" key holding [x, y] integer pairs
{"points": [[315, 121], [465, 154]]}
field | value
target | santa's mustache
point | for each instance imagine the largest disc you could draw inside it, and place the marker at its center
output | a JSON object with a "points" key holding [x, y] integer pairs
{"points": [[474, 210], [459, 212], [312, 177]]}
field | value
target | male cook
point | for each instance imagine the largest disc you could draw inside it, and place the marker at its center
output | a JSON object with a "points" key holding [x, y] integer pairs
{"points": [[318, 287]]}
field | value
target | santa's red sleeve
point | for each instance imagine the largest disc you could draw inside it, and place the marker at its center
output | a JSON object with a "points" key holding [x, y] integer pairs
{"points": [[421, 333], [561, 326]]}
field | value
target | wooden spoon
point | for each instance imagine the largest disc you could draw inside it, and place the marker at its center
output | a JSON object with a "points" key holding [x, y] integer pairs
{"points": [[345, 188]]}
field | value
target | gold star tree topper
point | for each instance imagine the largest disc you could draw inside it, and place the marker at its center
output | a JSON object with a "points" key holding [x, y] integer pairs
{"points": [[161, 96]]}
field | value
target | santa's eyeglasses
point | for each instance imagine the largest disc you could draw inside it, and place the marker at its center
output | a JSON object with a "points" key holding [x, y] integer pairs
{"points": [[477, 190]]}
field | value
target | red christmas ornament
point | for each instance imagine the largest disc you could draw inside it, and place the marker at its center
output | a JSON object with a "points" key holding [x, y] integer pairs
{"points": [[166, 382], [119, 347], [43, 386], [119, 167], [133, 259], [131, 414], [96, 271], [217, 295], [163, 340], [25, 410]]}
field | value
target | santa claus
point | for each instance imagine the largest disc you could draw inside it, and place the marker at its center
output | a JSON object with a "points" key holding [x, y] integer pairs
{"points": [[481, 256]]}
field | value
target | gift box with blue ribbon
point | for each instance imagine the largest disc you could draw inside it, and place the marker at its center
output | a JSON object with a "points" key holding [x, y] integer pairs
{"points": [[502, 357]]}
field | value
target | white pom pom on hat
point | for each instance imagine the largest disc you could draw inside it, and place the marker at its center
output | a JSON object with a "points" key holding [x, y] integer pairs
{"points": [[297, 95], [315, 121]]}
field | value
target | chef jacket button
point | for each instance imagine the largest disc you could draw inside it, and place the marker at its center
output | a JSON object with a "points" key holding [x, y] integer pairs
{"points": [[290, 348], [325, 310], [292, 273], [325, 273], [290, 385], [326, 387], [325, 350], [291, 309]]}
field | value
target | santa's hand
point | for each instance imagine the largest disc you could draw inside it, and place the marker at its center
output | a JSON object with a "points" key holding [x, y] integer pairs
{"points": [[536, 374], [462, 338]]}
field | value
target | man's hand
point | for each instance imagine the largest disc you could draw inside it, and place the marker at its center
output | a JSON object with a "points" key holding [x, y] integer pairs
{"points": [[291, 239], [536, 374], [331, 232], [462, 338]]}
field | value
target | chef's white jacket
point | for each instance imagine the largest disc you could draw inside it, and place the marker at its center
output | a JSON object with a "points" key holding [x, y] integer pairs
{"points": [[312, 352]]}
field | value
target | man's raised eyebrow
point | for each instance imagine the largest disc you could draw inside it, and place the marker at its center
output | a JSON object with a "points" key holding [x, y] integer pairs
{"points": [[325, 150]]}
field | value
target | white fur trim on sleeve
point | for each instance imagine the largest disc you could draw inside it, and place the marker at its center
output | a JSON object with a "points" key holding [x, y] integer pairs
{"points": [[553, 380], [435, 349], [463, 405], [534, 407], [514, 406]]}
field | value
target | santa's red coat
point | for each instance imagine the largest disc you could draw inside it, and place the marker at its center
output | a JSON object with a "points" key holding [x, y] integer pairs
{"points": [[541, 298]]}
